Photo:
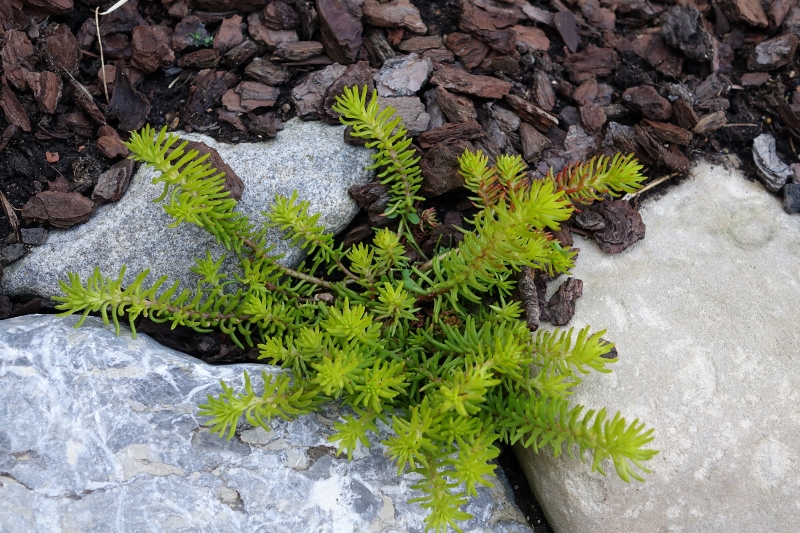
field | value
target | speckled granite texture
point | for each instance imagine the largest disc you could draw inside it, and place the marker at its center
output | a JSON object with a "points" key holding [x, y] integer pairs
{"points": [[309, 157]]}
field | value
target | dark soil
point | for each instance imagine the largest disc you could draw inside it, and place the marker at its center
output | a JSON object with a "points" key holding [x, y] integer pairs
{"points": [[684, 80]]}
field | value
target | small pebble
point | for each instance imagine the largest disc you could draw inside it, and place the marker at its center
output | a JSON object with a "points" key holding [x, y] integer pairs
{"points": [[34, 236]]}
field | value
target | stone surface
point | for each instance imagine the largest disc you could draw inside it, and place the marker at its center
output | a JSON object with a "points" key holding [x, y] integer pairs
{"points": [[307, 156], [411, 110], [403, 75], [117, 445], [702, 314]]}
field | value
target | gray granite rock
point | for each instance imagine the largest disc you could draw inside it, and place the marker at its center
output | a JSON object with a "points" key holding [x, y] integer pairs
{"points": [[100, 434], [704, 313], [411, 110], [306, 156], [403, 75], [772, 171]]}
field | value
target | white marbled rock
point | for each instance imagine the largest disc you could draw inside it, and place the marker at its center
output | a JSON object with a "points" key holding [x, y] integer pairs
{"points": [[309, 157], [704, 312], [101, 434]]}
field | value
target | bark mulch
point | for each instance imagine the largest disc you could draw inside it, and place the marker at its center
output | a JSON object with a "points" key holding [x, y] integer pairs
{"points": [[555, 81]]}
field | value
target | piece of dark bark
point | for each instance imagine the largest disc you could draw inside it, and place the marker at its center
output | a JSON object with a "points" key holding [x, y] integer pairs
{"points": [[268, 37], [529, 296], [86, 102], [307, 95], [127, 104], [649, 149], [205, 92], [561, 305], [791, 198], [297, 51], [646, 101], [456, 107], [60, 49], [773, 53], [543, 94], [567, 27], [394, 14], [790, 119], [440, 167], [668, 133], [359, 75], [585, 93], [367, 194], [60, 209], [621, 225], [266, 125], [14, 112], [150, 48], [467, 130], [186, 33], [420, 43], [684, 114], [494, 30], [532, 142], [246, 6], [112, 184], [682, 28], [530, 39], [233, 183], [590, 63], [469, 50], [241, 53], [341, 30], [47, 89], [593, 117], [749, 12], [229, 34], [112, 147], [710, 123], [200, 59], [771, 169], [754, 79], [232, 118], [267, 72], [459, 81], [532, 114], [51, 7], [279, 15], [17, 56]]}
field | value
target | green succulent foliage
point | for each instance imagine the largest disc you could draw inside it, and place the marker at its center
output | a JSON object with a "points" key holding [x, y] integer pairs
{"points": [[437, 351]]}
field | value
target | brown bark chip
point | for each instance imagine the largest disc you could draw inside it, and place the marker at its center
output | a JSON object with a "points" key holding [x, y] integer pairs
{"points": [[52, 7], [459, 81], [127, 104], [17, 58], [529, 296], [357, 75], [646, 101], [616, 224], [533, 143], [561, 305], [468, 130], [394, 14], [469, 50], [47, 89], [532, 114], [113, 183], [341, 30], [440, 167], [456, 107], [112, 147], [590, 63], [150, 48], [61, 52], [60, 209], [749, 12], [233, 183], [14, 112], [567, 27]]}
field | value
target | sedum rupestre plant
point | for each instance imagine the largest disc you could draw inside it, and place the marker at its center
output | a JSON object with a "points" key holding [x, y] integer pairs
{"points": [[437, 348]]}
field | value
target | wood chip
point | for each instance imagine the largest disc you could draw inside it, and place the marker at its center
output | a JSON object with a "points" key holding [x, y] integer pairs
{"points": [[710, 122], [468, 130], [459, 81], [14, 112], [532, 114]]}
